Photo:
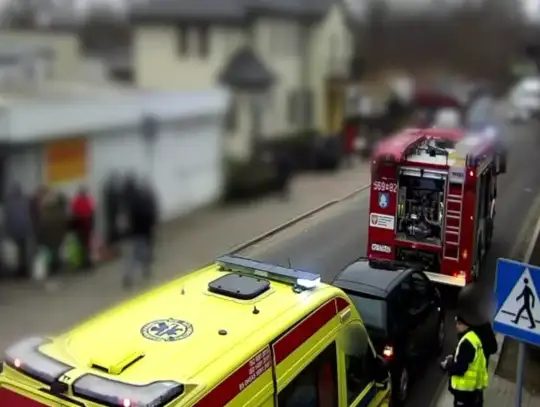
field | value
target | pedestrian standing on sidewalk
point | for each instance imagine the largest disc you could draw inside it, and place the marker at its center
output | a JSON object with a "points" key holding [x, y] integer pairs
{"points": [[52, 227], [142, 219], [18, 224], [467, 367], [82, 212]]}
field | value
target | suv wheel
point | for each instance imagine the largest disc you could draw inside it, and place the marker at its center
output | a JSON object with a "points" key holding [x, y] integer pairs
{"points": [[402, 384]]}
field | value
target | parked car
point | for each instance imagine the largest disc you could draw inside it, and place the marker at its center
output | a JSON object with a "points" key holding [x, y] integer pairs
{"points": [[524, 100], [403, 313]]}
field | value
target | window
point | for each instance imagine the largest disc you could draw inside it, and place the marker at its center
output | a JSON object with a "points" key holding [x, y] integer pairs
{"points": [[292, 107], [307, 108], [183, 40], [204, 41], [373, 310], [316, 385], [421, 284], [300, 108], [359, 361], [410, 299], [231, 117]]}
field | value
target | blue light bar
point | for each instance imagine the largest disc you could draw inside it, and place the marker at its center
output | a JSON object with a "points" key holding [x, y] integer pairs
{"points": [[270, 271]]}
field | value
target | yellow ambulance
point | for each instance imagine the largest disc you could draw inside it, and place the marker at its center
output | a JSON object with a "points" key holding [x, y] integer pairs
{"points": [[238, 333]]}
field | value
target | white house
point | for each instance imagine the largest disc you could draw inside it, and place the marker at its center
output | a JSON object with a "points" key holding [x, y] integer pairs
{"points": [[286, 61]]}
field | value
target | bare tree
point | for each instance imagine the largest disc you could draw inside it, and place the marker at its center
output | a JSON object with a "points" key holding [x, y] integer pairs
{"points": [[478, 39]]}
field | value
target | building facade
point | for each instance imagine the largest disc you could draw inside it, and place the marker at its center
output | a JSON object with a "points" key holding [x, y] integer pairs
{"points": [[286, 62]]}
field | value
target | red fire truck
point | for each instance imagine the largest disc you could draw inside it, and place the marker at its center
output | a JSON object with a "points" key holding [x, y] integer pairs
{"points": [[432, 201]]}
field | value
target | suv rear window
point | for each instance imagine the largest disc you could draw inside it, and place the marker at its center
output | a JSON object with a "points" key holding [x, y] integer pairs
{"points": [[372, 310]]}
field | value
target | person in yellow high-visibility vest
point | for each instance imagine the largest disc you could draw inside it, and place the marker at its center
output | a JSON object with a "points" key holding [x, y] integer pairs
{"points": [[467, 368]]}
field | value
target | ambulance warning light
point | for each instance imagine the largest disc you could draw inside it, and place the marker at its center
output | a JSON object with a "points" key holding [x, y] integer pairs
{"points": [[295, 277]]}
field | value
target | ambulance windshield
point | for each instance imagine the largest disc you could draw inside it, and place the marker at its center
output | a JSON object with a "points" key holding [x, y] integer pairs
{"points": [[420, 207]]}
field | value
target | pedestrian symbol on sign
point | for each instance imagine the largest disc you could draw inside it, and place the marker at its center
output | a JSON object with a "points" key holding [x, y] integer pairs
{"points": [[529, 300], [520, 308]]}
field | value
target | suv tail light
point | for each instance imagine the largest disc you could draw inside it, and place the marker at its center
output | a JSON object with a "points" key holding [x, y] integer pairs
{"points": [[388, 352], [25, 357], [113, 393]]}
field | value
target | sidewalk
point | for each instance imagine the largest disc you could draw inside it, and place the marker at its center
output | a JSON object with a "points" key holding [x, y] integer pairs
{"points": [[182, 246]]}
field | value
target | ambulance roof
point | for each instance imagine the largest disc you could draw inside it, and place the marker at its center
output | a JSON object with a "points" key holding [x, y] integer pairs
{"points": [[213, 333]]}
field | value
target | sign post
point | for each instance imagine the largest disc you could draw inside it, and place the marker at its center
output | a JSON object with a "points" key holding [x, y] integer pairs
{"points": [[518, 310]]}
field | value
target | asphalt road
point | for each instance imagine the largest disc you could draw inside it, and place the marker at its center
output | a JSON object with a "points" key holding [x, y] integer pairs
{"points": [[329, 241]]}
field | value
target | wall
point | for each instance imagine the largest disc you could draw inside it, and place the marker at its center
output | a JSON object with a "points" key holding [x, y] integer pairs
{"points": [[278, 43], [159, 65], [330, 53], [187, 165], [65, 46]]}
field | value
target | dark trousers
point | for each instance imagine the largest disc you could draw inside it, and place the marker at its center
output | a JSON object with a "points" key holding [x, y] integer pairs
{"points": [[55, 264], [21, 246], [468, 399], [85, 240]]}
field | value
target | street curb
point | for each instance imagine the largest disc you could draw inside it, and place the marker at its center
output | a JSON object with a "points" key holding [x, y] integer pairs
{"points": [[295, 220]]}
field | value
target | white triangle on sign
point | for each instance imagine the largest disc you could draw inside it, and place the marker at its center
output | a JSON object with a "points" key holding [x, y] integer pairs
{"points": [[522, 300]]}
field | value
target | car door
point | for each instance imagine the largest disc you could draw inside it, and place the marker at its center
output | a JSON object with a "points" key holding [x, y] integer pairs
{"points": [[358, 369], [408, 323], [426, 307]]}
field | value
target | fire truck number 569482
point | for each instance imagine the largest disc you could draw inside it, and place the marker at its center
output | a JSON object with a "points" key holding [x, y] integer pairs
{"points": [[436, 190], [384, 186]]}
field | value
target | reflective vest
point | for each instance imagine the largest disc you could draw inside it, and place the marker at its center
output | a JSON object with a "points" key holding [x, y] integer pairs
{"points": [[476, 376]]}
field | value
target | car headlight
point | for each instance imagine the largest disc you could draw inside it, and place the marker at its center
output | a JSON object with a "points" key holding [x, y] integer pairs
{"points": [[113, 393], [25, 357]]}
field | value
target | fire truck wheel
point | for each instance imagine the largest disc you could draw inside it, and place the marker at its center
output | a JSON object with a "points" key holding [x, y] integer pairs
{"points": [[475, 272], [489, 236]]}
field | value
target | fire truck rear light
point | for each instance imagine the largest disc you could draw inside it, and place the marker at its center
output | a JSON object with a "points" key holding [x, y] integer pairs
{"points": [[471, 173], [113, 393], [25, 357], [465, 254], [459, 274]]}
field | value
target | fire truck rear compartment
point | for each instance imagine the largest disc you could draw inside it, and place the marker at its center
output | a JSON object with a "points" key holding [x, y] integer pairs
{"points": [[428, 260], [421, 208]]}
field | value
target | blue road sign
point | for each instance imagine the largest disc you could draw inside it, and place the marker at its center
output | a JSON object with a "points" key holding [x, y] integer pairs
{"points": [[518, 304]]}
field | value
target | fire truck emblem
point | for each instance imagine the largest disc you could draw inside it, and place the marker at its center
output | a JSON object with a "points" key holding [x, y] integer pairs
{"points": [[374, 219], [384, 198]]}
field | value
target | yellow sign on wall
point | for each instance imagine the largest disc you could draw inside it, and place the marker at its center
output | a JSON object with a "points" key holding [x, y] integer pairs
{"points": [[65, 160]]}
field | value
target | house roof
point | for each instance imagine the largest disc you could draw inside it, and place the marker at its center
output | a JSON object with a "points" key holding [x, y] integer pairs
{"points": [[163, 11], [245, 70], [59, 109]]}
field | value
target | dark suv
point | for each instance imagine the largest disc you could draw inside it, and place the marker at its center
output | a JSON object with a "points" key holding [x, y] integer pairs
{"points": [[403, 313]]}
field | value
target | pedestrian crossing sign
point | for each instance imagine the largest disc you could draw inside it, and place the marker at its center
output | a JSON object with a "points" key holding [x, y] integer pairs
{"points": [[518, 304]]}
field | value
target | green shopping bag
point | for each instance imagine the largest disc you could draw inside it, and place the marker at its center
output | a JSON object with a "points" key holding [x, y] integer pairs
{"points": [[71, 251]]}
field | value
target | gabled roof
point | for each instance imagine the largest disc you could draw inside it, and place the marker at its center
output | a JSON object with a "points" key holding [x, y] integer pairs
{"points": [[233, 11], [245, 70]]}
